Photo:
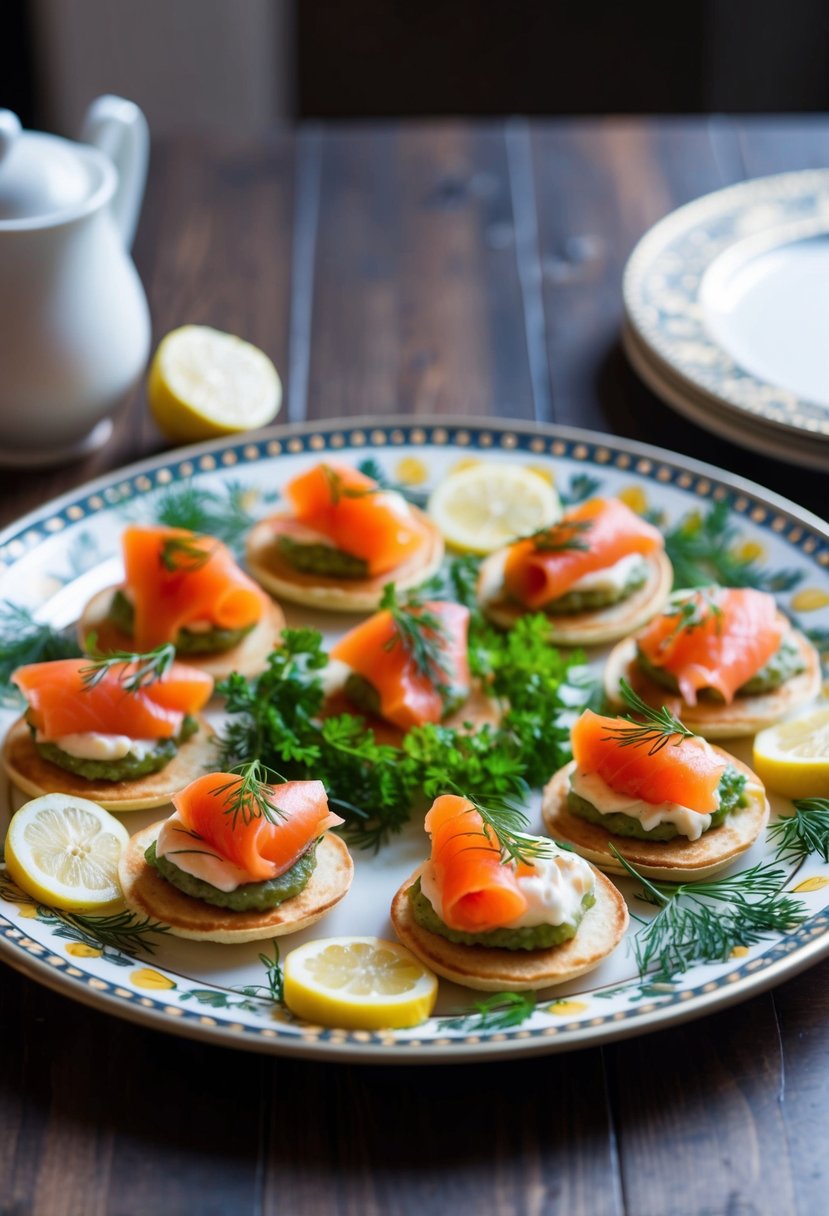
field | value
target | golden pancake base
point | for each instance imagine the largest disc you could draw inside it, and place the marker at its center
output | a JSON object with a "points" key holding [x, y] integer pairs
{"points": [[148, 894], [595, 628], [33, 775], [744, 716], [249, 657], [268, 567], [677, 860], [489, 970]]}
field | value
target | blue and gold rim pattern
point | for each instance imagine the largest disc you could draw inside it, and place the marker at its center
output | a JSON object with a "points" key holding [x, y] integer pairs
{"points": [[664, 274], [783, 958]]}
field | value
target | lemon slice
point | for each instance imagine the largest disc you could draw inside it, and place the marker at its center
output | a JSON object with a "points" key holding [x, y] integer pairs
{"points": [[204, 383], [483, 507], [64, 852], [358, 983], [792, 757]]}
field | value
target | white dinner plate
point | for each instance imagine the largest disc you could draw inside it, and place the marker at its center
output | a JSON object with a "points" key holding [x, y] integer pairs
{"points": [[731, 293], [55, 558]]}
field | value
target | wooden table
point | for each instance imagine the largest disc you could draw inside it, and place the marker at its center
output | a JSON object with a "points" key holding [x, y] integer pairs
{"points": [[458, 269]]}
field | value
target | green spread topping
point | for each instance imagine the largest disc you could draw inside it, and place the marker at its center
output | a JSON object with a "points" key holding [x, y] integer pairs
{"points": [[786, 662], [128, 768], [121, 614], [321, 559], [251, 896], [529, 937], [732, 795]]}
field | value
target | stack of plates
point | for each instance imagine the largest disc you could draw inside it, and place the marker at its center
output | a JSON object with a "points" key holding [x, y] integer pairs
{"points": [[727, 314]]}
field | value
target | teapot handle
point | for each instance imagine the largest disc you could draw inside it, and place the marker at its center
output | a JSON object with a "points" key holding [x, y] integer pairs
{"points": [[119, 128]]}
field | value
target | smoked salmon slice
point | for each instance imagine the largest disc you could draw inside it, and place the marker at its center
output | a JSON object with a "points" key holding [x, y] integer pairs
{"points": [[351, 511], [61, 702], [408, 697], [592, 536], [686, 770], [478, 891], [715, 638], [177, 578], [264, 850]]}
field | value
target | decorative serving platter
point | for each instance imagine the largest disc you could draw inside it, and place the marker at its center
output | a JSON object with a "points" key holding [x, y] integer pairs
{"points": [[52, 561], [728, 296]]}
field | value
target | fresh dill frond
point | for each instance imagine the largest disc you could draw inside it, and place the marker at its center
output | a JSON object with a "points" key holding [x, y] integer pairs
{"points": [[150, 667], [692, 613], [420, 631], [225, 515], [372, 468], [121, 931], [274, 987], [581, 487], [251, 796], [805, 832], [24, 640], [338, 490], [705, 548], [561, 537], [660, 726], [705, 921], [184, 554], [506, 823], [501, 1011]]}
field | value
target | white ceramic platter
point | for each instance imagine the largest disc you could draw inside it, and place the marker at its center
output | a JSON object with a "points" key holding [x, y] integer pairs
{"points": [[731, 293], [54, 559]]}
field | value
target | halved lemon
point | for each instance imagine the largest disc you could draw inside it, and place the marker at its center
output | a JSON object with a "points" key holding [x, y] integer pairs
{"points": [[64, 851], [204, 383], [483, 507], [358, 983], [792, 757]]}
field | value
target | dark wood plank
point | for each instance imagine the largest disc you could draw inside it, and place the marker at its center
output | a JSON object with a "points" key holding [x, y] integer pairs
{"points": [[417, 302], [699, 1116], [513, 1138]]}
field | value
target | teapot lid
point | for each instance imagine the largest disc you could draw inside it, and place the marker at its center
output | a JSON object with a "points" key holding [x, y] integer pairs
{"points": [[40, 175]]}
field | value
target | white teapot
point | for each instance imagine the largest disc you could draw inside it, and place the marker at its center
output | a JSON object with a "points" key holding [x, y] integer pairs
{"points": [[74, 322]]}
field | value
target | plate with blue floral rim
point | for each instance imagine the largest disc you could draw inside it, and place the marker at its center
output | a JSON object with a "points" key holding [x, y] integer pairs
{"points": [[729, 296], [54, 559]]}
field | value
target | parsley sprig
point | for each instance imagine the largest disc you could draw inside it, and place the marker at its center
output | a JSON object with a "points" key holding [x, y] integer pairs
{"points": [[705, 921], [147, 667], [805, 832]]}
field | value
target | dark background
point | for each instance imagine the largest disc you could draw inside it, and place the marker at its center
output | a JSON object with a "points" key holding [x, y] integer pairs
{"points": [[371, 58]]}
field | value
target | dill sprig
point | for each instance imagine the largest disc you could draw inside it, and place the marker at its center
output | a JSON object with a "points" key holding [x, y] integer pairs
{"points": [[706, 548], [250, 796], [507, 822], [122, 931], [338, 490], [225, 515], [561, 537], [150, 666], [657, 731], [274, 987], [705, 921], [24, 640], [805, 832], [581, 487], [501, 1011], [372, 468], [692, 612], [184, 554], [420, 632]]}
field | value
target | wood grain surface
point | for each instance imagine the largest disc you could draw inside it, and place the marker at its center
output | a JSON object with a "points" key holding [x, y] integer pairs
{"points": [[453, 268]]}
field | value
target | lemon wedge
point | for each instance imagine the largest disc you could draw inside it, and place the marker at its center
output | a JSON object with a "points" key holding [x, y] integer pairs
{"points": [[204, 383], [485, 506], [358, 983], [792, 757], [64, 851]]}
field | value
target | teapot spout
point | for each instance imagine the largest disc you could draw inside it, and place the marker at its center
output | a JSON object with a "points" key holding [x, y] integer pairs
{"points": [[119, 129]]}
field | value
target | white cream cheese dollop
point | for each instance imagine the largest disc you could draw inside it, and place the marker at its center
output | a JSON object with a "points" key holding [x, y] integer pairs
{"points": [[611, 578], [195, 856], [593, 789], [554, 890], [91, 745]]}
